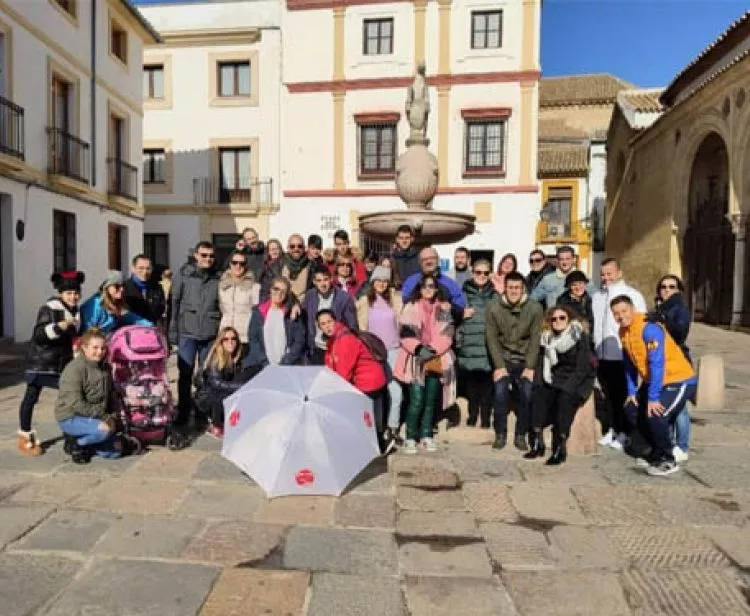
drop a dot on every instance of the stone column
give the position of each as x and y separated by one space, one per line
739 228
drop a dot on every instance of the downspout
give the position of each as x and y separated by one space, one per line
93 94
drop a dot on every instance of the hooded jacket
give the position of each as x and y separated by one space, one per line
350 358
471 341
51 348
236 301
94 314
606 331
85 390
195 304
513 331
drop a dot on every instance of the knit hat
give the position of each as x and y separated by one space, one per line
575 276
381 273
113 277
68 281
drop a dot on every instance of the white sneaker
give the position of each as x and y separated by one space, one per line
410 447
679 455
662 469
607 439
429 445
641 463
620 442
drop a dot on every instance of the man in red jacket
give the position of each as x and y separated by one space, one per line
349 357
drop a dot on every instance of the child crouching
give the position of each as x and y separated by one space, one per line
83 403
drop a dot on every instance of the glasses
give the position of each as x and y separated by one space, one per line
240 263
278 290
206 255
560 318
481 272
344 265
230 339
536 260
293 246
429 285
671 287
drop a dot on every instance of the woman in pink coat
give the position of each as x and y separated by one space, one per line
425 361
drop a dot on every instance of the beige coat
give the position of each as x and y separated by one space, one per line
236 301
363 309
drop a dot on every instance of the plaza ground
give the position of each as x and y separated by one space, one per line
467 530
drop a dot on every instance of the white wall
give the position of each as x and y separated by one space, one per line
184 234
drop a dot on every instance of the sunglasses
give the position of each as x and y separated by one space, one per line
481 272
429 285
278 290
668 286
559 318
293 246
242 263
536 260
232 339
344 265
206 255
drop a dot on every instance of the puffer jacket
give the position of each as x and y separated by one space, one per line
236 301
195 304
471 341
513 331
85 390
94 314
51 348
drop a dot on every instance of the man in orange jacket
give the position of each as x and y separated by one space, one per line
667 380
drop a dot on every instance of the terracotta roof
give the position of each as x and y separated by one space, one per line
580 89
563 160
557 127
642 100
737 31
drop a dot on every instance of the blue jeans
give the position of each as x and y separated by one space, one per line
395 394
502 394
187 351
682 430
91 432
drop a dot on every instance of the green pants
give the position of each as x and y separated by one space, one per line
422 403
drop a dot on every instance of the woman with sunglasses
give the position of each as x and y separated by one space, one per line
221 377
425 361
238 293
565 379
507 264
275 336
471 344
539 268
271 267
107 310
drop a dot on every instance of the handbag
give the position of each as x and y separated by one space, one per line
434 365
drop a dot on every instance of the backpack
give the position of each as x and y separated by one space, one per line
374 345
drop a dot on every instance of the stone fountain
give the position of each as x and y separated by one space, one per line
417 182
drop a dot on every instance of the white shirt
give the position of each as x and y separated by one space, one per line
606 330
274 335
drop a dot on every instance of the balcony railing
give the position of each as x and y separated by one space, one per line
123 179
68 155
11 129
214 191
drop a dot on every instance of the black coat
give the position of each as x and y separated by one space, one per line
574 371
675 315
406 263
150 306
534 278
51 348
581 307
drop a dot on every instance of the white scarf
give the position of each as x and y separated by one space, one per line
558 343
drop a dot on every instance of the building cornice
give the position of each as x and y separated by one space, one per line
217 36
313 5
391 192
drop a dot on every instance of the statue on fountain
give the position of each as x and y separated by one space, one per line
418 107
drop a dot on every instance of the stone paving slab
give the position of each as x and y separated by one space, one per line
216 468
308 510
734 542
221 501
490 501
134 495
623 471
366 511
27 581
437 476
547 593
247 592
10 484
56 489
67 530
576 471
444 556
720 475
440 596
701 506
547 502
428 499
148 537
353 595
615 505
473 464
166 464
578 547
365 552
684 591
97 466
436 524
515 548
136 587
237 542
661 548
17 520
12 460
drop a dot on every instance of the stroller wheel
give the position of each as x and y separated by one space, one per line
133 446
176 440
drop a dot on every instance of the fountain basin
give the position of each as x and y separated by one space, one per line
430 226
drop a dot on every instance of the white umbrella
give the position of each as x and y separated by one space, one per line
299 430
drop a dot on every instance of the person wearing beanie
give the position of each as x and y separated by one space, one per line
107 310
50 350
577 298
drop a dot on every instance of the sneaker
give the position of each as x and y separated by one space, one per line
429 445
620 441
679 454
410 446
663 468
217 432
642 463
500 441
388 444
607 439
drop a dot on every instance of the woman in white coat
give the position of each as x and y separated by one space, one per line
238 294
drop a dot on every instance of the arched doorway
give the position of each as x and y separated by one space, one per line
709 242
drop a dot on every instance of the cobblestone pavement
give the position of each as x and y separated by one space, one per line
466 530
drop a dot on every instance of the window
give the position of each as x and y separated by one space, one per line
377 150
61 94
116 137
64 241
153 166
234 169
153 82
156 248
69 6
118 41
556 212
234 78
486 29
377 37
485 146
224 244
114 246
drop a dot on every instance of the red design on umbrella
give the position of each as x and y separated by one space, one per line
305 477
368 419
234 417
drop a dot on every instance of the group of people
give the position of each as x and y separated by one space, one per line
406 334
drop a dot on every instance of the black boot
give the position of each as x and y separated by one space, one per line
559 451
520 442
536 440
500 440
69 443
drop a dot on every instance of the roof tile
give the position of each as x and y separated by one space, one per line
580 89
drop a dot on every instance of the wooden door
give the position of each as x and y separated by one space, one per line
114 247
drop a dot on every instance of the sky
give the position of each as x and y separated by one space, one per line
645 42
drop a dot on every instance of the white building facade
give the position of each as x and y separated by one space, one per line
211 158
70 146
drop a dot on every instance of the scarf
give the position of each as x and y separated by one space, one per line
558 343
141 284
295 267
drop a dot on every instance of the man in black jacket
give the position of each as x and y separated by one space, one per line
254 249
143 295
405 255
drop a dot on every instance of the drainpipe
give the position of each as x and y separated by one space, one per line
92 180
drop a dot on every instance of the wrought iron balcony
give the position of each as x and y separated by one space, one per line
68 155
11 129
123 179
217 191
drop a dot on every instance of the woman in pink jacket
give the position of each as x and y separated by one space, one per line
425 361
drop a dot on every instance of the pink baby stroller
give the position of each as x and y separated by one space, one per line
138 356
